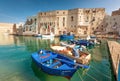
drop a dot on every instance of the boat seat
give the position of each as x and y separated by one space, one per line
54 64
48 58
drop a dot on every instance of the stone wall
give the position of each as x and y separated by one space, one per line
114 48
6 28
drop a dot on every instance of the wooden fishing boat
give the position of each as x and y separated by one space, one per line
55 63
67 45
83 58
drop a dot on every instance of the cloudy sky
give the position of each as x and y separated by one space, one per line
14 11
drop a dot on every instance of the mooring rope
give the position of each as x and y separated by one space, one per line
101 73
79 76
91 77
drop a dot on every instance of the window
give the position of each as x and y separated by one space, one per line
57 12
87 18
86 28
30 28
85 32
93 19
72 18
31 21
44 13
63 19
63 12
57 18
115 24
35 21
63 24
40 13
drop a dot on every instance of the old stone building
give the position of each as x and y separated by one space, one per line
52 21
30 26
85 21
111 24
79 21
7 28
116 12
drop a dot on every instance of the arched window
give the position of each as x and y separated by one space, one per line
31 21
30 28
63 21
35 20
72 18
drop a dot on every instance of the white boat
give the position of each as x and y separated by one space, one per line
37 35
48 35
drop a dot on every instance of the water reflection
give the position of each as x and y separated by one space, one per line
44 76
34 44
6 39
16 62
15 58
31 43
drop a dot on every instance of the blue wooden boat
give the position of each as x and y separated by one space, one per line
66 37
82 42
56 64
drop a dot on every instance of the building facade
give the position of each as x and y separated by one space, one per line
79 21
52 21
7 28
111 24
85 21
116 12
30 26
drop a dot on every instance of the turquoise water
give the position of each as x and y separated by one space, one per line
16 63
119 73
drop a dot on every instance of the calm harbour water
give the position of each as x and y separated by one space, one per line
16 63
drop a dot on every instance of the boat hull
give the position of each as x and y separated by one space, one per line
82 42
83 59
64 73
66 37
37 35
53 71
47 36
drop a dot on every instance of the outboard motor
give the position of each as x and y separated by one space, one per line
76 52
40 52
